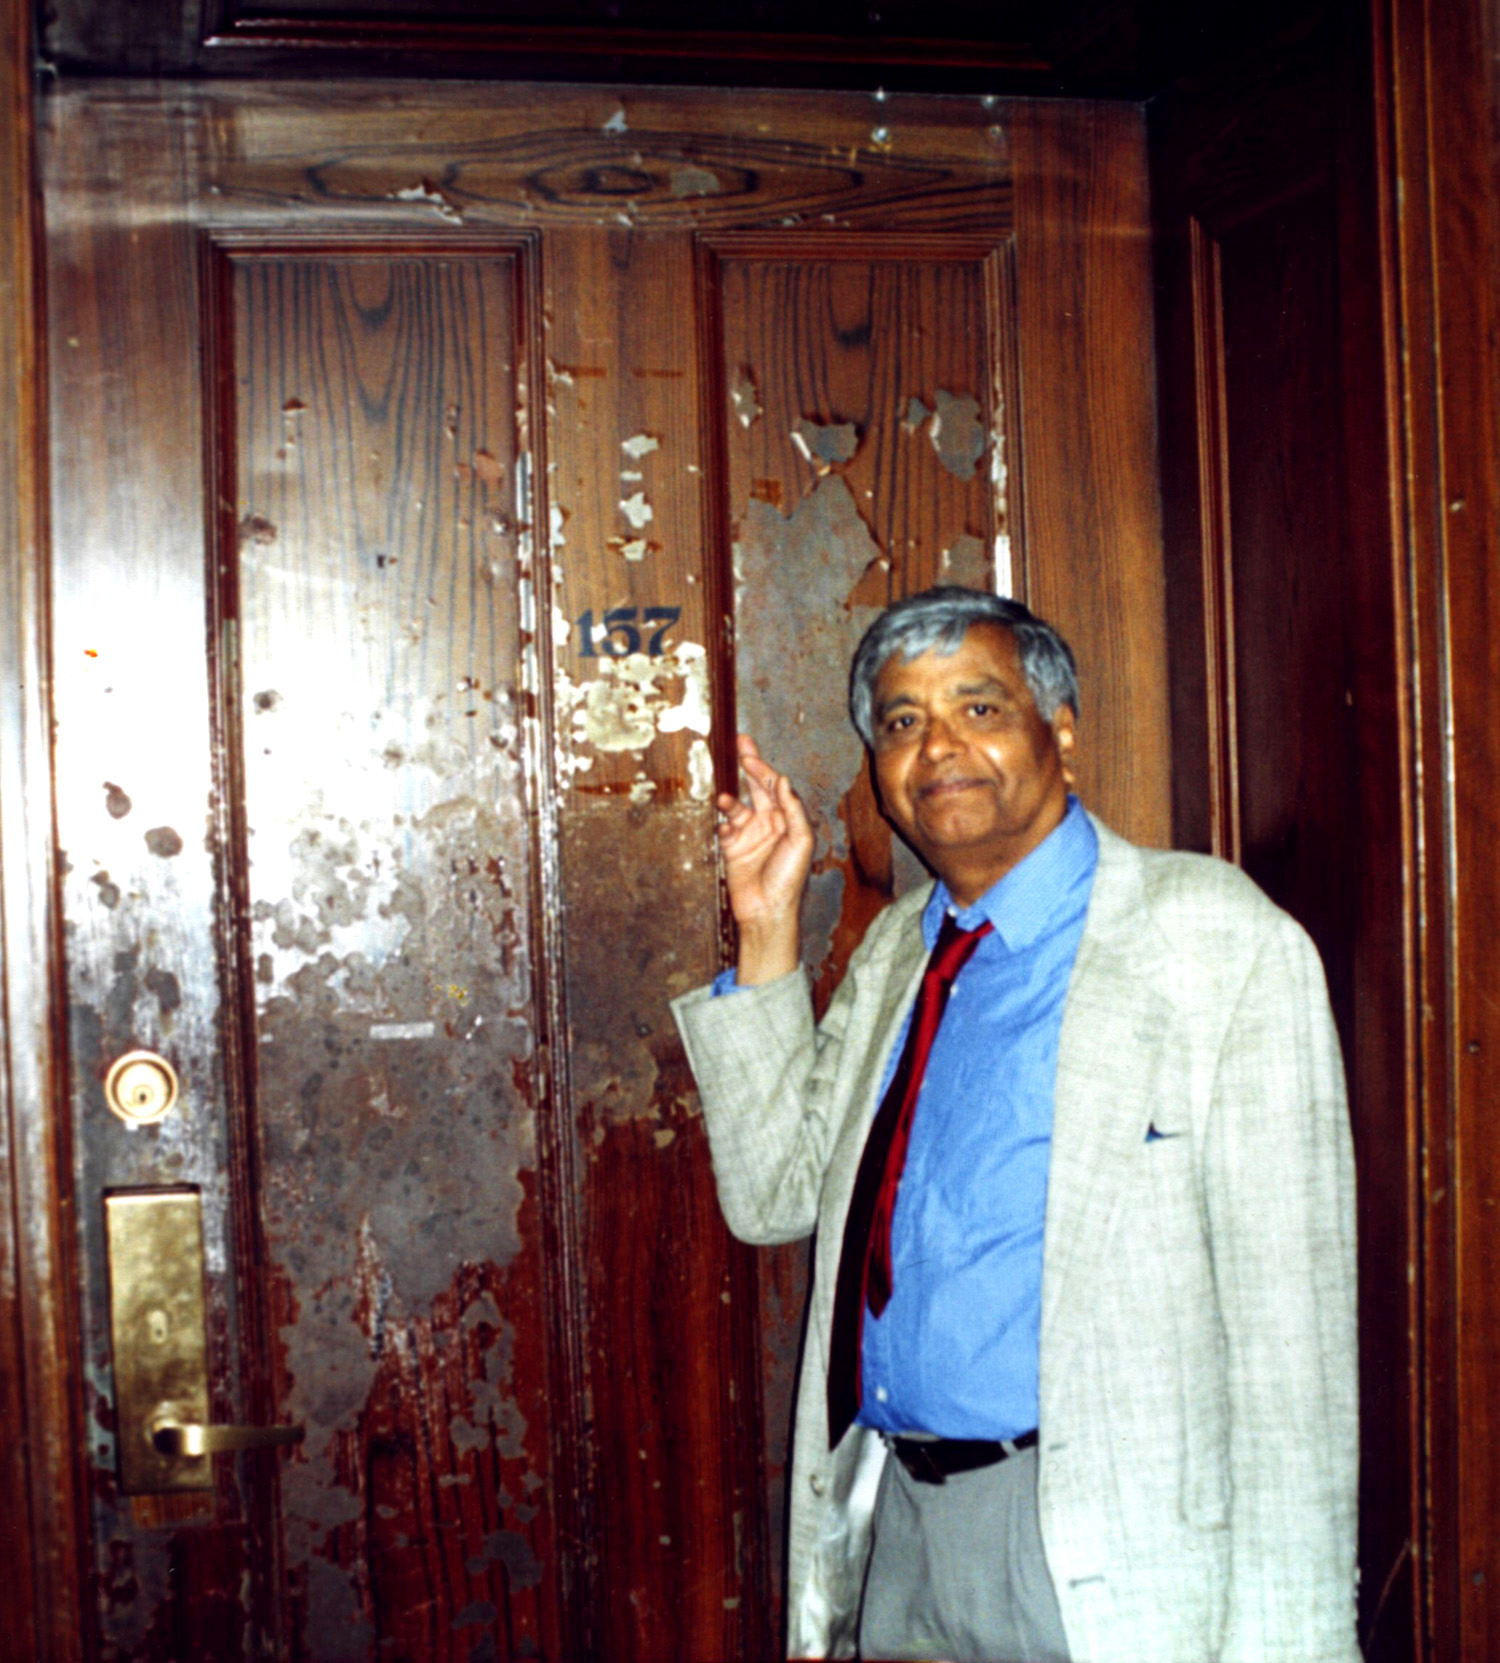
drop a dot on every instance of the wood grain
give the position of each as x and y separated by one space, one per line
1087 420
1278 481
40 1504
1445 422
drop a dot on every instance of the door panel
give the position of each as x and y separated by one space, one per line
438 476
1286 700
388 877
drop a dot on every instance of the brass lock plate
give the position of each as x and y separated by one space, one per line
155 1241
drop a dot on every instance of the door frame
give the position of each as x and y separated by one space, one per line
1434 106
41 1506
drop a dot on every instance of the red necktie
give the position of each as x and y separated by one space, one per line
865 1276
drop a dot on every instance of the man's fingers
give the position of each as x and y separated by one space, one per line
790 803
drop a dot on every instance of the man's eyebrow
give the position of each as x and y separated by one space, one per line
892 701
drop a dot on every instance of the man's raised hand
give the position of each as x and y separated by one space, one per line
767 845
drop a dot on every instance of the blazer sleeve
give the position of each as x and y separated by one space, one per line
775 1094
1279 1181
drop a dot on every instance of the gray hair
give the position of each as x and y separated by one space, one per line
940 618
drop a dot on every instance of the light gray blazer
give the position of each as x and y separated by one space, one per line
1198 1367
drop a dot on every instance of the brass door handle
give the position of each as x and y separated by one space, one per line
192 1440
159 1331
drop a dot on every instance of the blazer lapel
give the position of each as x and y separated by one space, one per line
1111 1050
873 1027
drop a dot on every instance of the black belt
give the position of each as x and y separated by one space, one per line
931 1460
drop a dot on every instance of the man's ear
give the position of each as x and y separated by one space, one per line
1065 737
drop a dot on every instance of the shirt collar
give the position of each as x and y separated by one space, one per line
1038 894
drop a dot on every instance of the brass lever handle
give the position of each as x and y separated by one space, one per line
192 1440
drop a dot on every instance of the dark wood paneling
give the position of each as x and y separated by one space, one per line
1289 731
40 1506
1092 533
1439 101
1075 48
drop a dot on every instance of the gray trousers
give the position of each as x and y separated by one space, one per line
957 1571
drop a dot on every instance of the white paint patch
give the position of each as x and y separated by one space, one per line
617 122
433 197
638 511
639 445
403 1030
1005 580
630 702
692 713
635 549
700 773
558 518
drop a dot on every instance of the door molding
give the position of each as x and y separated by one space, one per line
40 1507
1437 91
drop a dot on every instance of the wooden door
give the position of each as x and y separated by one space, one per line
436 475
1285 596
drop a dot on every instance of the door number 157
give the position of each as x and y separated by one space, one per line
620 636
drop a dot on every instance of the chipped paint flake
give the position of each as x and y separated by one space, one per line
824 445
916 415
689 180
967 564
617 122
635 549
957 434
639 445
636 697
692 713
744 398
425 191
637 510
403 1030
700 772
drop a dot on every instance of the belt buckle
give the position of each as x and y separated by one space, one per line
914 1455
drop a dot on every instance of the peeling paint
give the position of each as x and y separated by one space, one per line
744 398
688 180
700 772
917 413
636 697
825 445
789 678
637 510
255 529
425 191
617 122
967 563
644 875
116 804
1000 488
957 434
639 445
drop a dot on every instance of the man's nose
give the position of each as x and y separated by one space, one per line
939 739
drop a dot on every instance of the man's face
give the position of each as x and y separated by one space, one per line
968 770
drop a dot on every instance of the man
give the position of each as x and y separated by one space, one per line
1084 1270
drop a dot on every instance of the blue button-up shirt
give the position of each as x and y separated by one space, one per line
955 1351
